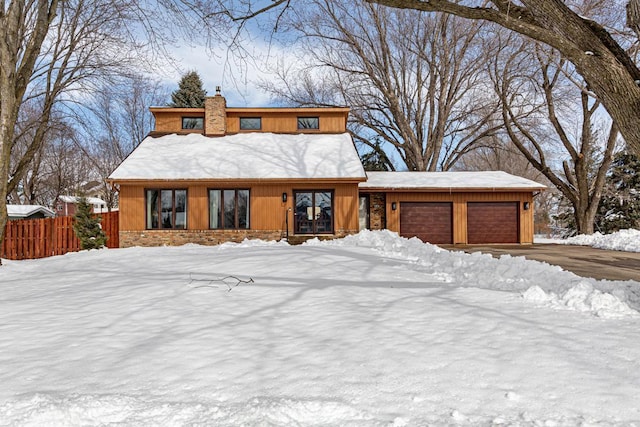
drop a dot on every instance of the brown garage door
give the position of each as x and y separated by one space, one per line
492 222
429 221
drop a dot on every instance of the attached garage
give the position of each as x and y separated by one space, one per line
493 222
429 221
457 207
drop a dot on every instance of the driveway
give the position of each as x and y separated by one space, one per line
584 261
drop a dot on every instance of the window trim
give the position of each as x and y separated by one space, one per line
302 128
159 209
259 118
237 217
314 229
192 118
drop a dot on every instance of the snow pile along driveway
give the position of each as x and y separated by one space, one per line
623 240
372 330
550 284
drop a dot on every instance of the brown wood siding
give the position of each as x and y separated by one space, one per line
429 221
492 222
171 121
460 201
132 214
278 122
267 211
272 121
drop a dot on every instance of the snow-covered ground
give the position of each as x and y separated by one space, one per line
371 330
623 240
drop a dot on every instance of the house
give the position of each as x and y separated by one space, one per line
215 174
67 205
29 212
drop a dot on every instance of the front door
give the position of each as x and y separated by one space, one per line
314 212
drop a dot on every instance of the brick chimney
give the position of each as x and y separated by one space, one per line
215 115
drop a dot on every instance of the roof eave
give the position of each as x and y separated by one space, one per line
452 189
354 180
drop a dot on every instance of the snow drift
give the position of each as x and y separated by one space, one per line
371 330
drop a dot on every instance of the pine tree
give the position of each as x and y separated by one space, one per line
87 227
375 160
190 93
620 205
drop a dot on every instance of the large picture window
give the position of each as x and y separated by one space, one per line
314 212
166 209
228 209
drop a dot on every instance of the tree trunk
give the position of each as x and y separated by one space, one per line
8 117
585 218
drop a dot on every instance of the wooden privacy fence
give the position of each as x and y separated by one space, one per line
40 238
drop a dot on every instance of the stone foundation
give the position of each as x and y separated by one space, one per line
212 237
377 211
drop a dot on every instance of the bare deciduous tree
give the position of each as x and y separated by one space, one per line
607 69
52 51
57 168
603 63
412 80
47 50
568 126
115 122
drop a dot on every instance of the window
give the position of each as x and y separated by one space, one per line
314 212
166 209
229 209
250 123
306 123
193 123
363 211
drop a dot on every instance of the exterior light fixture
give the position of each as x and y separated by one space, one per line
284 197
526 206
394 206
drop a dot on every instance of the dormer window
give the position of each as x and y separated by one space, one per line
308 123
189 123
250 123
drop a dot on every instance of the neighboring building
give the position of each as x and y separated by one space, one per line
29 212
67 205
215 174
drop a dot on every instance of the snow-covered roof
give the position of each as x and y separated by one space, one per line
24 211
243 156
494 180
75 199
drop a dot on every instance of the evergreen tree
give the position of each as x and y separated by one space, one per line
190 93
620 205
376 160
87 227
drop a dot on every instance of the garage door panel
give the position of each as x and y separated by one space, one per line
492 222
429 221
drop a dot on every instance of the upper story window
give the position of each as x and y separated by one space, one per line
250 123
308 123
193 123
